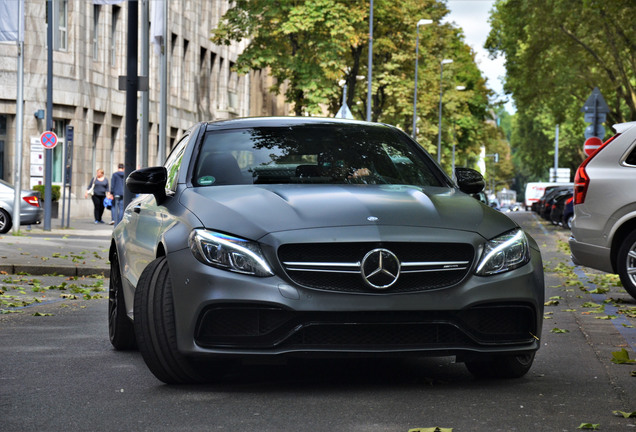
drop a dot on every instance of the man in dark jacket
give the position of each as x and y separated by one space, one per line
117 193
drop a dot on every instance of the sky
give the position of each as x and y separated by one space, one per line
472 17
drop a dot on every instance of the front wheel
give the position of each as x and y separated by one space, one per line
503 366
626 264
156 330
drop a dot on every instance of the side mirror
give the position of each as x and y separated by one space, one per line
469 180
150 180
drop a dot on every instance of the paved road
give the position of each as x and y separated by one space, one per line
59 372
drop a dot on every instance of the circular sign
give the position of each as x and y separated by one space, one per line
591 144
48 139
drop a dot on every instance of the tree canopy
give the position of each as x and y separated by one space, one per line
556 52
311 45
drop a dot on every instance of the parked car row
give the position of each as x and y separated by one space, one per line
556 205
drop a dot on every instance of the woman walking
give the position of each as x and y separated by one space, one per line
97 188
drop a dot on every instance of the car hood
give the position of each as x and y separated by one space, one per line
253 211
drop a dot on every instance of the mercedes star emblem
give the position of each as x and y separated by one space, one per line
380 268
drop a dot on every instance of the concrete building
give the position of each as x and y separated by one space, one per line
89 56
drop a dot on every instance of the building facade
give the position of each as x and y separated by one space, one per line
89 56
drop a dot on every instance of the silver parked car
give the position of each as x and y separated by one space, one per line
30 211
604 224
282 237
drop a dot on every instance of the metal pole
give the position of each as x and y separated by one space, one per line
145 70
370 62
132 84
163 89
19 114
417 46
439 125
48 153
556 154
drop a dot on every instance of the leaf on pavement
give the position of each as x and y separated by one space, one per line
431 429
558 330
625 414
589 426
622 357
551 303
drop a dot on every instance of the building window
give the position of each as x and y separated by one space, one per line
185 92
96 129
232 87
96 10
175 67
113 144
60 15
113 35
58 152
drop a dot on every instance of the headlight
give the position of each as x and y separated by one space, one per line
228 253
506 252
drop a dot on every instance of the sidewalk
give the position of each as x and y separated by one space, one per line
80 250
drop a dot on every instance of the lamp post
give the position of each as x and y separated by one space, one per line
417 46
458 88
439 126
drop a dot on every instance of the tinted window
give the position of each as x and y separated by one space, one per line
312 154
631 159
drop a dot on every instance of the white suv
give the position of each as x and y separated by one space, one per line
604 225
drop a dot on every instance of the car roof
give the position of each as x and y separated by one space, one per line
248 122
622 127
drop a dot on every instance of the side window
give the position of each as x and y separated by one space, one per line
173 163
631 159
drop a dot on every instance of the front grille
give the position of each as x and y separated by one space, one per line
259 327
337 267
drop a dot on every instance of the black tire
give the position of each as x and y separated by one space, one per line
5 221
155 327
568 222
120 328
626 264
501 367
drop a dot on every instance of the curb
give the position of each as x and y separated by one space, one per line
40 270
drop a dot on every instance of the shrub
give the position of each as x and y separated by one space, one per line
55 189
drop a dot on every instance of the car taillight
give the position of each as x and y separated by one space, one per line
32 200
569 200
581 179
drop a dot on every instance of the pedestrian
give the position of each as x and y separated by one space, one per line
117 193
97 189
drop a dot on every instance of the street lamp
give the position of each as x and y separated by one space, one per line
441 92
417 46
458 88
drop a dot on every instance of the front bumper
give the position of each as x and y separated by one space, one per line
219 313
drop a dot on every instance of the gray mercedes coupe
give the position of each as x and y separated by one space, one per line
306 237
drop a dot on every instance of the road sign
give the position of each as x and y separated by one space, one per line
591 144
48 139
596 102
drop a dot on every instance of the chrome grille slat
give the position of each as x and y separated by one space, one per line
337 267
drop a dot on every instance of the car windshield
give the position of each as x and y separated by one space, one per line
333 154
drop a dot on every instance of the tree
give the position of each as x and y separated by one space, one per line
310 45
302 43
556 52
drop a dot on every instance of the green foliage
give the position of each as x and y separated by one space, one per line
309 46
55 192
556 52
